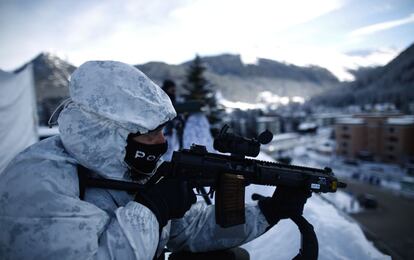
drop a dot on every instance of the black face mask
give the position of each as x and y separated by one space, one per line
143 158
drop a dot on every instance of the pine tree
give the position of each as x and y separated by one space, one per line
196 84
200 89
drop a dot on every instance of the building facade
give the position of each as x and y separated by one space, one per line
380 137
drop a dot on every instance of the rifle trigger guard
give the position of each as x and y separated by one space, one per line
309 242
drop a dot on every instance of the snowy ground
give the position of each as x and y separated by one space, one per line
339 236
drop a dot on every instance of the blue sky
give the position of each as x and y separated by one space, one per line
336 34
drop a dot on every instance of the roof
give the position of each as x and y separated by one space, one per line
285 136
404 120
350 121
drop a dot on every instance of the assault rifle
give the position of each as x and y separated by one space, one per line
228 175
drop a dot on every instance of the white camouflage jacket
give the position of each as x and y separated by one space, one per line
41 215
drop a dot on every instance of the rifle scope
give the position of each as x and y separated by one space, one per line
237 145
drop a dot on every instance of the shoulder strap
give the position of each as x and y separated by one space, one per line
82 176
86 180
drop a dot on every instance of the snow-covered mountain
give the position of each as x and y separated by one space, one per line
392 83
232 65
243 82
227 73
51 75
51 78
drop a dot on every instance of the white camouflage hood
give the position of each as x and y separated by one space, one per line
109 101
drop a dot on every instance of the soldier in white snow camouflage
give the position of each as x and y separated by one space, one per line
41 213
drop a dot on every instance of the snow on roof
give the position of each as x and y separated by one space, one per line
307 126
404 120
330 115
266 119
239 105
350 121
286 136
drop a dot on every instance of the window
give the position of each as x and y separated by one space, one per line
345 128
390 148
392 139
391 129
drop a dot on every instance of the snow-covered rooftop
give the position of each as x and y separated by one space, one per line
404 120
285 136
350 121
239 105
307 126
330 115
266 119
